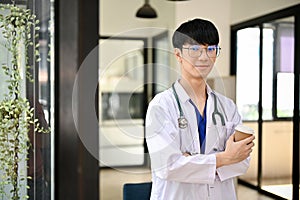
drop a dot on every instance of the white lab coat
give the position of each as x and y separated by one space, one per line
195 177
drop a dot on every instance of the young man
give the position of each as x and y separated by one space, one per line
189 127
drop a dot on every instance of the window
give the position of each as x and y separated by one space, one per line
267 77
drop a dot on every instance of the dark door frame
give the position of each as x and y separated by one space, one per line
76 35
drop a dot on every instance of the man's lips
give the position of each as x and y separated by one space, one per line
201 66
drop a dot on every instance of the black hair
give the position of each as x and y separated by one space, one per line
196 31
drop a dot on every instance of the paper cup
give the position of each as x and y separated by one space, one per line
242 132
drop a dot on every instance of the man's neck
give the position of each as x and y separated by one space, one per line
195 88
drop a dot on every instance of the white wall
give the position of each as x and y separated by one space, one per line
119 16
244 9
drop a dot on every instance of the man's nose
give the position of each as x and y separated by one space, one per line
203 55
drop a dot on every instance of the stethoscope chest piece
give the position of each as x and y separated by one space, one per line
182 122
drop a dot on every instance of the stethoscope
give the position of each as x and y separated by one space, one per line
183 122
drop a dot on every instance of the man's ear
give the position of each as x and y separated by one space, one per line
178 55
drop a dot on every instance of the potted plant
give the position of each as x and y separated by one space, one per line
18 28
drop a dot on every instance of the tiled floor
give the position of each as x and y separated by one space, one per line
112 180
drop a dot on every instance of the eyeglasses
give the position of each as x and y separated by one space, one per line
195 51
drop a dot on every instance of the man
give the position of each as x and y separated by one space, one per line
189 127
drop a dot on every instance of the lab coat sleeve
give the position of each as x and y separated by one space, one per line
163 142
230 171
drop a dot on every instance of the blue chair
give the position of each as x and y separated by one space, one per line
137 191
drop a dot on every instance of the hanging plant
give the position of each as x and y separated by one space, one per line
16 114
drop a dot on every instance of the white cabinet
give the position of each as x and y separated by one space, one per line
121 143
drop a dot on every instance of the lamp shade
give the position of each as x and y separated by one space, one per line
146 11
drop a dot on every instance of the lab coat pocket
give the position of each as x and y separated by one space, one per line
222 135
229 129
186 141
216 138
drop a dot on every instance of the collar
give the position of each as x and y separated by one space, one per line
182 94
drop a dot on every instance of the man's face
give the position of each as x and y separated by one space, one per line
197 61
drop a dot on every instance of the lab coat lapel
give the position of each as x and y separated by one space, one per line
192 118
211 137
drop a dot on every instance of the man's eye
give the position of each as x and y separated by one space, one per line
194 48
211 48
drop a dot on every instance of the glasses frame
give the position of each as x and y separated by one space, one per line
218 49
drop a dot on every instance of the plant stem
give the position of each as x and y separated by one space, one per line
16 139
16 166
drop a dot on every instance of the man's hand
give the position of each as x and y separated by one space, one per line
235 151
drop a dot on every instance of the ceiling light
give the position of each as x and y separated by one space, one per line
146 11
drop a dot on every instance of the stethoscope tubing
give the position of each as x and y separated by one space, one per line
183 122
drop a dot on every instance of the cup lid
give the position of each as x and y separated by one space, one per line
244 129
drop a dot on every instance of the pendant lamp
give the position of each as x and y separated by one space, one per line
146 11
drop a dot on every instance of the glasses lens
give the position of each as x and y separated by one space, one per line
195 51
212 51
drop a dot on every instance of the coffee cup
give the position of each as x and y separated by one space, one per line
242 132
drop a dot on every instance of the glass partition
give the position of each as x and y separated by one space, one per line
162 72
41 157
122 100
248 72
277 133
247 98
265 74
